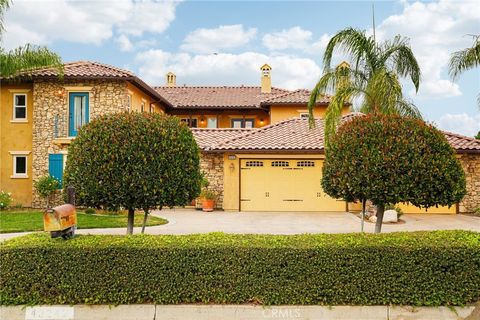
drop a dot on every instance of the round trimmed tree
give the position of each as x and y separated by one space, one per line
390 159
134 161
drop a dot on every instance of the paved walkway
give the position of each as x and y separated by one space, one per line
185 221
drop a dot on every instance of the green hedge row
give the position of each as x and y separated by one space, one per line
420 268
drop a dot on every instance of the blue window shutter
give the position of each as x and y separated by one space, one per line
55 166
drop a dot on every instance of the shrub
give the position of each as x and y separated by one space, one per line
46 187
134 161
477 211
90 211
5 199
392 159
418 268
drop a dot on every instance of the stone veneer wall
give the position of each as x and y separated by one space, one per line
471 165
106 96
212 165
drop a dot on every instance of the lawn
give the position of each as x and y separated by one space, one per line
18 221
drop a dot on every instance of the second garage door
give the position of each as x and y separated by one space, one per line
284 185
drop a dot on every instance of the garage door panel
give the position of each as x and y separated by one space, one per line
285 185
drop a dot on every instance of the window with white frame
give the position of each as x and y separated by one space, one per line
19 106
304 115
19 166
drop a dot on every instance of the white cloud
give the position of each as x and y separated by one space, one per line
295 38
436 29
124 43
460 123
227 69
83 21
216 39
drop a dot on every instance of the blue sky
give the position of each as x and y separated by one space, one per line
225 42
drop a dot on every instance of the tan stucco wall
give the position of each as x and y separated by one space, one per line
139 97
471 165
106 96
15 136
287 111
211 164
224 118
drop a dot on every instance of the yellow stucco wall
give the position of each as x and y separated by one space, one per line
224 119
139 97
15 136
287 111
231 184
408 208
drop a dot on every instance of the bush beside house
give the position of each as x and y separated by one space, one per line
389 159
134 161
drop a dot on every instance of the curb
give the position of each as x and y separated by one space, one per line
234 312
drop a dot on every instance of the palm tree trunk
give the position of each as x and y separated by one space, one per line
145 217
131 219
380 212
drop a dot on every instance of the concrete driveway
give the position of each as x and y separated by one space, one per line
185 221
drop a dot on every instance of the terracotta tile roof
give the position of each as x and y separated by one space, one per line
462 143
221 97
300 96
93 70
83 69
208 137
288 135
294 135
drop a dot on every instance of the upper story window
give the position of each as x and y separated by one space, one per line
129 102
78 112
304 115
19 106
243 123
191 122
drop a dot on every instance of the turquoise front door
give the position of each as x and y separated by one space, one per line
78 112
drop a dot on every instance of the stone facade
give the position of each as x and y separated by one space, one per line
50 116
471 165
211 164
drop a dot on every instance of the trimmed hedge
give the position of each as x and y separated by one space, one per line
419 268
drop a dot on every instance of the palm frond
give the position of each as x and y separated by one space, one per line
4 5
407 108
354 43
402 60
28 58
334 110
466 59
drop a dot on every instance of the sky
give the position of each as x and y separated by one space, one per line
226 42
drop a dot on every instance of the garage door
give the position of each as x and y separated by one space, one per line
284 185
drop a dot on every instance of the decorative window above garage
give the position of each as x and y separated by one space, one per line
305 164
254 163
280 164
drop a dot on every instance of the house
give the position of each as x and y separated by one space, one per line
278 168
257 150
40 115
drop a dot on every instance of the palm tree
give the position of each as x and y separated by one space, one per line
25 58
465 59
374 79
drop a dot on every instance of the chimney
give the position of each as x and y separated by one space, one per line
171 79
266 79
